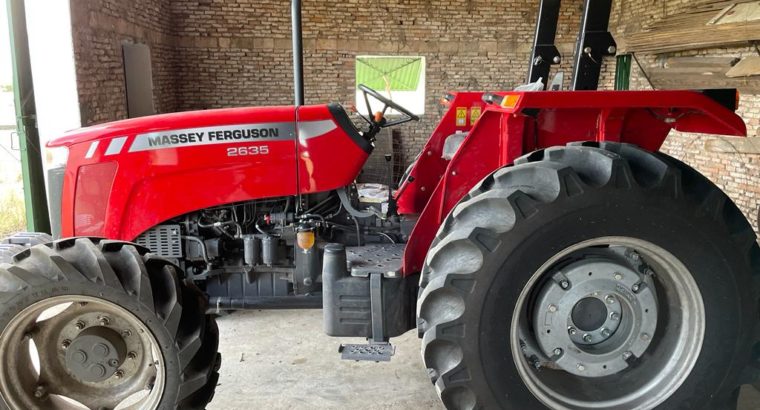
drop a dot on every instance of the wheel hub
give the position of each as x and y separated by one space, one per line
589 314
96 354
595 315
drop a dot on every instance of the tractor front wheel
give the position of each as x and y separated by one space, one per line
592 276
102 325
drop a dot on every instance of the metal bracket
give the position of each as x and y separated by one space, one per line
545 52
376 303
594 43
13 146
378 349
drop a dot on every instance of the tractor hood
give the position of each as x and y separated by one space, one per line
124 177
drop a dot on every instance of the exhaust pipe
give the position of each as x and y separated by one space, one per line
295 11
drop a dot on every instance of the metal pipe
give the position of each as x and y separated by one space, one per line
200 243
35 196
623 72
295 9
219 303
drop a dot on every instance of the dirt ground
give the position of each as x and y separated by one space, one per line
281 359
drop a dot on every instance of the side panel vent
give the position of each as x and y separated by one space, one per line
163 240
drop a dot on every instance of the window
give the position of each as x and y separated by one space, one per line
402 79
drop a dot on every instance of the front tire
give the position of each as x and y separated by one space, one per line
19 241
103 323
583 273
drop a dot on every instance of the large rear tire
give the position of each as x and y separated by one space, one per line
592 276
103 323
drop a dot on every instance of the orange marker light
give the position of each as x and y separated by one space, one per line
510 101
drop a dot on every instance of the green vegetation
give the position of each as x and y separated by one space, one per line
12 215
6 88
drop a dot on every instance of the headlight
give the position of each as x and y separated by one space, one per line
56 157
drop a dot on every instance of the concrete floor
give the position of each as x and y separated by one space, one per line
282 360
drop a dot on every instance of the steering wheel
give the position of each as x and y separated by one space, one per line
377 121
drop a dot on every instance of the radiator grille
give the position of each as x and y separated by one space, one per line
163 240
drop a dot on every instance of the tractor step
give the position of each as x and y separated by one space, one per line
384 259
372 352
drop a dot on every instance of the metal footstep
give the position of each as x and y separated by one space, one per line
373 352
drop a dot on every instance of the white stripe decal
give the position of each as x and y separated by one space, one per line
116 145
91 151
223 134
311 129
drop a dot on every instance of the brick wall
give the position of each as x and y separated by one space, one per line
216 53
240 53
99 28
219 53
733 164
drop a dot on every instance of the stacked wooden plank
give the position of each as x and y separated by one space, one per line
700 72
698 27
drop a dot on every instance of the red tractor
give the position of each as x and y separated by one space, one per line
547 254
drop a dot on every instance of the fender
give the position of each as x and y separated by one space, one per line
529 121
122 178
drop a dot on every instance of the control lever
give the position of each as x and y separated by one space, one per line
392 208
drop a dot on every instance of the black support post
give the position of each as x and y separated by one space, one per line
545 52
594 43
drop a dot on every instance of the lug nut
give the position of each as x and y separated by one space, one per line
39 392
634 256
610 299
581 367
552 308
618 276
65 344
126 333
104 321
132 355
606 332
627 355
82 304
645 336
636 288
564 284
80 325
615 316
119 374
571 330
587 338
558 352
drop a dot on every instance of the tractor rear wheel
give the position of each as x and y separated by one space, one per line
592 276
88 323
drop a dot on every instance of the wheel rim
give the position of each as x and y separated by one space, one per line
628 325
72 352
